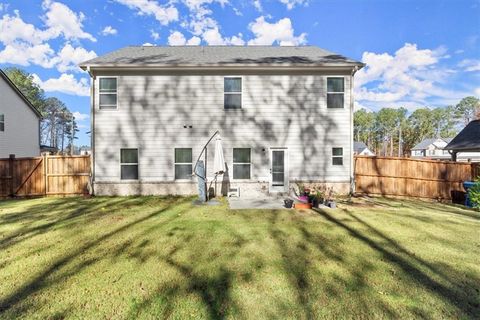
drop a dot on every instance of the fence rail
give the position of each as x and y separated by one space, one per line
46 175
411 177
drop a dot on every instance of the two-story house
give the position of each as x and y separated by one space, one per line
154 108
432 148
19 122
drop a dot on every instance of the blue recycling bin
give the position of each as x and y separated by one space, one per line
467 185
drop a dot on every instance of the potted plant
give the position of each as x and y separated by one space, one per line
302 193
318 198
330 198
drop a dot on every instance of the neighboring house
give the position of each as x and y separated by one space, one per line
19 122
84 151
284 115
433 148
466 145
361 149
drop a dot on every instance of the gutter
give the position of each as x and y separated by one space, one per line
188 67
92 128
352 106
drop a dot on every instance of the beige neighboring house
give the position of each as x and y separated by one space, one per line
437 149
19 122
285 115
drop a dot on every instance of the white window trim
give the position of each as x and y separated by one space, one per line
326 90
175 163
241 93
126 164
250 163
99 93
334 156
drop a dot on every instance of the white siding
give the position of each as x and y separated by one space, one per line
21 135
278 111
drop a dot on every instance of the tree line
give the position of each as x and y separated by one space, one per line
58 127
394 132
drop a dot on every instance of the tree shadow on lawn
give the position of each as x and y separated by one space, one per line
453 286
302 244
43 278
418 205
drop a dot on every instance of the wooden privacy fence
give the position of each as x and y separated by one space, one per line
411 177
46 175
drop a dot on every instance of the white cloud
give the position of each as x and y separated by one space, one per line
155 35
24 54
109 30
177 38
213 37
60 19
280 32
410 77
66 83
292 3
13 29
148 44
69 57
258 5
194 41
477 92
80 116
4 6
470 65
163 14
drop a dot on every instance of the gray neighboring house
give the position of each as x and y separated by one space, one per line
432 148
466 145
438 149
19 122
285 115
361 149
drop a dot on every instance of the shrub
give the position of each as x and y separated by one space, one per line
474 194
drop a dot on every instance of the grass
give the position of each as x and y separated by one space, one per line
151 257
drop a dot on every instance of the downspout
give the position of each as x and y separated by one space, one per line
352 159
92 128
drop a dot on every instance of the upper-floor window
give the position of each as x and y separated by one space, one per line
232 92
129 164
183 163
108 93
337 156
241 163
335 92
2 122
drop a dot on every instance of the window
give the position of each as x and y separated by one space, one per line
183 163
337 156
232 93
241 163
129 164
2 122
335 93
108 93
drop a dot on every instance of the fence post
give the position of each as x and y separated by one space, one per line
11 162
44 173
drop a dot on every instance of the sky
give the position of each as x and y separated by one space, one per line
418 53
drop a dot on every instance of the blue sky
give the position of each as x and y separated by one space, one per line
418 53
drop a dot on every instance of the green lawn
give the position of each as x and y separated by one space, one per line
151 257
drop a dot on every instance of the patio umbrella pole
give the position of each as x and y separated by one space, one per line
206 185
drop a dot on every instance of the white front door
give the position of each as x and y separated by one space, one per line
278 170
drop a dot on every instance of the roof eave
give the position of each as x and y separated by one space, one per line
348 65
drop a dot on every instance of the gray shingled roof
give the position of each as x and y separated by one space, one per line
467 139
359 146
219 55
426 142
